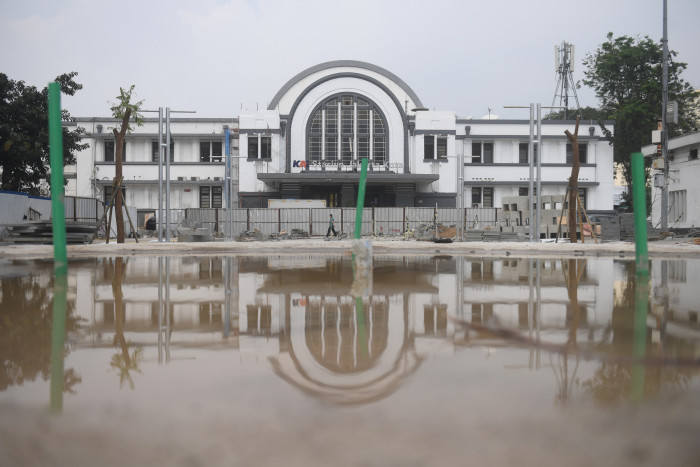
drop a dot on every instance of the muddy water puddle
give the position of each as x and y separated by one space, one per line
260 360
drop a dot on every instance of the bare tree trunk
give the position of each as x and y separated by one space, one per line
573 183
118 199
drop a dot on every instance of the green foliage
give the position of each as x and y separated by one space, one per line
124 106
24 134
626 74
587 114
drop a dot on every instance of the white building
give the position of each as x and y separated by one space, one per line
684 172
309 142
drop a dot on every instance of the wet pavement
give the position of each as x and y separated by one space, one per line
458 354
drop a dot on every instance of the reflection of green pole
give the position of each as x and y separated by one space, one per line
59 247
641 300
361 199
639 204
360 307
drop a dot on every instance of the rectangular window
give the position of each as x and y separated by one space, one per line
524 190
487 197
482 197
264 143
210 151
110 153
154 151
678 206
582 153
252 147
582 193
428 147
476 197
488 153
204 197
210 197
441 148
522 153
108 190
265 147
482 152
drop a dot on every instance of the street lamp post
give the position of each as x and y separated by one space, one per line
534 220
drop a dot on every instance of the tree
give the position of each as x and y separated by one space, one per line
24 134
124 110
586 113
626 74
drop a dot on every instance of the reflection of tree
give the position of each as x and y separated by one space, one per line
611 381
26 315
123 362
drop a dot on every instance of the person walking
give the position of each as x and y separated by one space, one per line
331 227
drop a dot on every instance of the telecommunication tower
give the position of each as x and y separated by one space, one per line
564 67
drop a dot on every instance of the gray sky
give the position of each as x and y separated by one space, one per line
214 56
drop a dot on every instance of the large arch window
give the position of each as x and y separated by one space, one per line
345 129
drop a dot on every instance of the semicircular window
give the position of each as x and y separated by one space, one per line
346 128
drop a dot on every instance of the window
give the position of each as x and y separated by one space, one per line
482 197
435 147
428 147
259 147
154 151
211 151
110 153
108 190
678 206
210 197
582 153
693 154
482 153
346 128
524 190
583 195
522 153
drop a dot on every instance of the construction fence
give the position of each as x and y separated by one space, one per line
389 222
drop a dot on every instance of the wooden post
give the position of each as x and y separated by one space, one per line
573 181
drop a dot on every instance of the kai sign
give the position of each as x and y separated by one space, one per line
341 165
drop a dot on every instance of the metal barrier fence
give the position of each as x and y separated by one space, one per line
79 209
390 222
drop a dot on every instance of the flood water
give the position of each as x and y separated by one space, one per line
234 360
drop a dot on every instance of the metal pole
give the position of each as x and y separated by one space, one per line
539 169
460 192
160 174
664 128
227 149
531 159
167 174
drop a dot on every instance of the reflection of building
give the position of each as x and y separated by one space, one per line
295 310
314 134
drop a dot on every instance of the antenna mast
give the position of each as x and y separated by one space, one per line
564 66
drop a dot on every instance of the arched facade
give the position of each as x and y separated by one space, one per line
330 117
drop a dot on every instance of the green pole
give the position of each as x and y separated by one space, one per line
361 199
56 156
639 204
58 332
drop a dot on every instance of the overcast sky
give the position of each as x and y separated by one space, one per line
216 56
